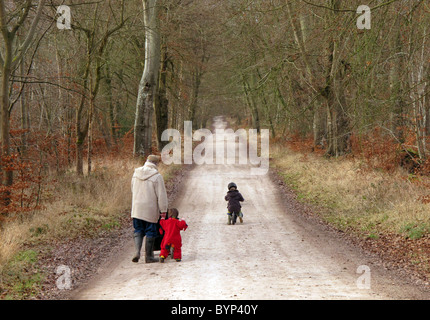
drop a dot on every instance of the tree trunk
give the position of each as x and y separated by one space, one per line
251 104
90 134
148 83
80 138
266 105
299 27
337 121
81 133
396 86
162 104
5 127
7 63
24 114
112 110
319 122
197 75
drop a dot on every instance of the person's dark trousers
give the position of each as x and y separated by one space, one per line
141 229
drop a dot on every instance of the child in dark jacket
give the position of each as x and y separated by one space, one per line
234 199
172 235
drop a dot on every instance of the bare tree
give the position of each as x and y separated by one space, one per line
148 84
96 43
9 60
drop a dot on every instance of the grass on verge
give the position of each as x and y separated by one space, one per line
367 201
384 209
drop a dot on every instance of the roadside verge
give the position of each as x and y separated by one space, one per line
377 211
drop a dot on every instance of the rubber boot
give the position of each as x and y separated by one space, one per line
149 250
138 240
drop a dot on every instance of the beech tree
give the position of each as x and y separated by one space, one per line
148 84
12 19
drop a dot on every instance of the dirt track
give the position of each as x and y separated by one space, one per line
277 253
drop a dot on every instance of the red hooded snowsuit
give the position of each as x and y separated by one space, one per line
172 237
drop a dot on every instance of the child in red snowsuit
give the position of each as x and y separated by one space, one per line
172 235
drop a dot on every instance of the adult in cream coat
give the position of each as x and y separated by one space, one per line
148 201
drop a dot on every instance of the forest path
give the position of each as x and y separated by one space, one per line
275 254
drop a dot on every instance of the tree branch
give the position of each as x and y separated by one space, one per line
21 19
23 48
347 10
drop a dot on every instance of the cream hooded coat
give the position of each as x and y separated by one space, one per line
149 193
